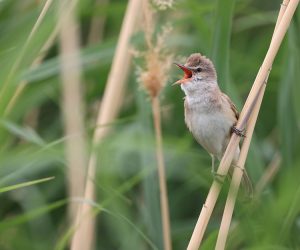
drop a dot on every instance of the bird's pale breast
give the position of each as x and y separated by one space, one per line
210 127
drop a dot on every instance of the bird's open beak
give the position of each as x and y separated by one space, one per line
187 73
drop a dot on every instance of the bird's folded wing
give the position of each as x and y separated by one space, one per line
231 104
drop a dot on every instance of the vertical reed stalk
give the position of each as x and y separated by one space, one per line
110 106
72 103
153 78
161 174
251 101
238 172
97 25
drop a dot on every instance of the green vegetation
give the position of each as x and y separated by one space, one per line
235 35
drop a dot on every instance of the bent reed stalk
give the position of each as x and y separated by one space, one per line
248 108
238 172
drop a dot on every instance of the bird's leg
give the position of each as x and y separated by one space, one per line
213 170
218 177
237 131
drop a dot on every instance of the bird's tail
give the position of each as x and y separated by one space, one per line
246 182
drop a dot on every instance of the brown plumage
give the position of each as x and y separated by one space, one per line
210 114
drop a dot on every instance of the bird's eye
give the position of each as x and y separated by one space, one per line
198 69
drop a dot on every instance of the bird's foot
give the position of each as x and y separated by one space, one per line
238 167
218 177
237 131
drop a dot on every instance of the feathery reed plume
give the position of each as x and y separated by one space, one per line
110 106
153 78
158 62
72 103
163 4
249 106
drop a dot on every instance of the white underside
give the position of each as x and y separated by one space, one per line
210 124
210 129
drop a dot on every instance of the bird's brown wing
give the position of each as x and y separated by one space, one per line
232 106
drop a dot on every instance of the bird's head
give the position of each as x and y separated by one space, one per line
197 70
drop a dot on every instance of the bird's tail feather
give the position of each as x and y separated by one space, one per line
246 182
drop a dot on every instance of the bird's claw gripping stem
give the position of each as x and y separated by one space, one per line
218 177
237 131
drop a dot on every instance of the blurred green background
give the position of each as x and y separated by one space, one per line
235 34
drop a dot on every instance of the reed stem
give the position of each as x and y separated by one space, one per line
238 172
251 101
72 104
161 174
97 24
110 106
237 176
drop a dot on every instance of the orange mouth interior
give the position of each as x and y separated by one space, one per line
187 73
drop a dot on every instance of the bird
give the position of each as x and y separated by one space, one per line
209 114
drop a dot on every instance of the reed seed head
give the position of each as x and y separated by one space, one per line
163 4
158 61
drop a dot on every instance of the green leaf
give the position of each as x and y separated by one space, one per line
25 133
24 184
221 40
23 218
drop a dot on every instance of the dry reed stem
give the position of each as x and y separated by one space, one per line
268 175
153 78
97 25
237 176
24 48
110 106
258 84
164 206
148 23
238 172
72 103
